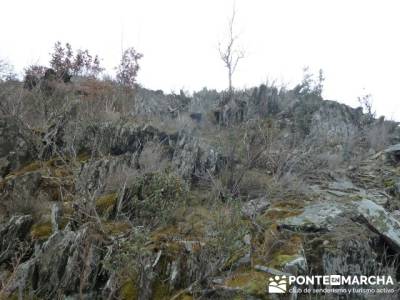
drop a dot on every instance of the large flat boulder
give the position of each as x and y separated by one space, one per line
315 217
380 221
393 154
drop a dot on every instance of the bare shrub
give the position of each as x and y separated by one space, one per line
99 100
7 280
6 71
12 100
229 53
379 135
366 102
129 67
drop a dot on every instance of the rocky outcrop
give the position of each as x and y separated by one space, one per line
13 233
380 221
157 104
255 207
393 154
337 122
126 210
194 159
191 156
318 217
68 263
17 145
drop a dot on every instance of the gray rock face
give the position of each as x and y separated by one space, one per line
335 121
115 138
315 217
16 146
12 234
255 207
111 208
394 148
95 175
192 157
380 221
393 154
336 244
297 266
156 103
68 263
350 256
19 194
349 250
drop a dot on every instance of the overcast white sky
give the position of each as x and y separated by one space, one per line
356 43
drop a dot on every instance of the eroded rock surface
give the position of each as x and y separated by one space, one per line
126 210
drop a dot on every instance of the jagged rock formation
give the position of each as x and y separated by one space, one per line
128 209
16 146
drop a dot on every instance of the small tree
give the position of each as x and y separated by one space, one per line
309 85
85 65
65 63
366 103
229 53
129 67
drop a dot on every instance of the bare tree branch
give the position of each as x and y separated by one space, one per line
229 53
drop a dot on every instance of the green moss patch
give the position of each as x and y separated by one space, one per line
41 231
106 202
250 282
31 167
116 228
129 291
275 248
281 210
83 157
161 291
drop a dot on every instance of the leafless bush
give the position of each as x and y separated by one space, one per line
229 53
128 67
259 153
379 135
366 103
6 71
34 107
12 100
6 282
100 100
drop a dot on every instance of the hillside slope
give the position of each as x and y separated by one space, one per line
208 196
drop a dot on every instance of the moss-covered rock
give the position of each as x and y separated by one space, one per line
129 291
115 228
250 282
105 203
41 231
281 210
